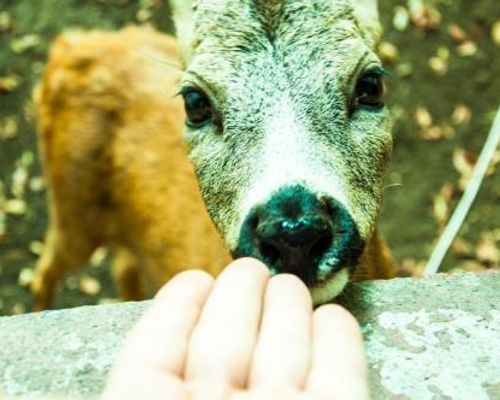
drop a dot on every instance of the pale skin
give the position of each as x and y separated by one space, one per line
245 335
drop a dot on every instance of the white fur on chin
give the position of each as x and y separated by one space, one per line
325 292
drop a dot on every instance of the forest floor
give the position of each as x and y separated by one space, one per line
443 89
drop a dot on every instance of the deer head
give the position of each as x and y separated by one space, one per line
287 129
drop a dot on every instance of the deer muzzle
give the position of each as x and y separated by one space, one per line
299 232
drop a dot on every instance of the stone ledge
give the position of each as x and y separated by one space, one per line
430 338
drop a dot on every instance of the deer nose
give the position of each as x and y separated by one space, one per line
298 232
291 243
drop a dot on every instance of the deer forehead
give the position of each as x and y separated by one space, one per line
252 25
269 46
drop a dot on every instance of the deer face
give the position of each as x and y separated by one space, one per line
287 129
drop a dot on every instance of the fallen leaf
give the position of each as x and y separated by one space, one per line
495 33
447 191
24 43
89 285
29 110
410 267
404 70
461 115
37 184
98 256
18 308
6 24
493 235
19 181
440 210
493 164
441 203
437 133
9 83
487 251
388 53
467 49
438 65
443 53
468 266
401 18
27 158
26 276
462 248
143 15
36 247
145 12
423 117
464 162
425 17
457 34
8 128
15 207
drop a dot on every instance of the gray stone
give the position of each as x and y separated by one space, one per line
63 352
431 338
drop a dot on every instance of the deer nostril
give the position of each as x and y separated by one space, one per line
321 246
270 252
294 244
253 222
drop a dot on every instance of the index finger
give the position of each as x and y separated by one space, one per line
160 339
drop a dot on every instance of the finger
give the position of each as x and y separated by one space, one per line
159 341
338 368
223 340
282 353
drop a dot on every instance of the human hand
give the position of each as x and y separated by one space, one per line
243 336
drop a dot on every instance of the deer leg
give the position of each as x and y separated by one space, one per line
58 257
126 273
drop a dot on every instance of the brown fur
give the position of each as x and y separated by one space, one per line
118 174
376 261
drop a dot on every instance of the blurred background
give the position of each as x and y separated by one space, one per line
444 88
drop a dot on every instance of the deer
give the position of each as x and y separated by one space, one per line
286 130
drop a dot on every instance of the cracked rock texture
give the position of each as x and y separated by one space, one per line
431 338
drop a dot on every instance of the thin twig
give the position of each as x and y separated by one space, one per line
467 199
161 61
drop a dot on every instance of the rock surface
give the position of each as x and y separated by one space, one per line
431 338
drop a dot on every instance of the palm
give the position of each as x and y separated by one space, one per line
246 336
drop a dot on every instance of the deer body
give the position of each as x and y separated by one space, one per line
284 125
110 132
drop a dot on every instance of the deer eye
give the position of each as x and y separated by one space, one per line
198 108
370 90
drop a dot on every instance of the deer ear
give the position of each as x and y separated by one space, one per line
182 13
366 12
